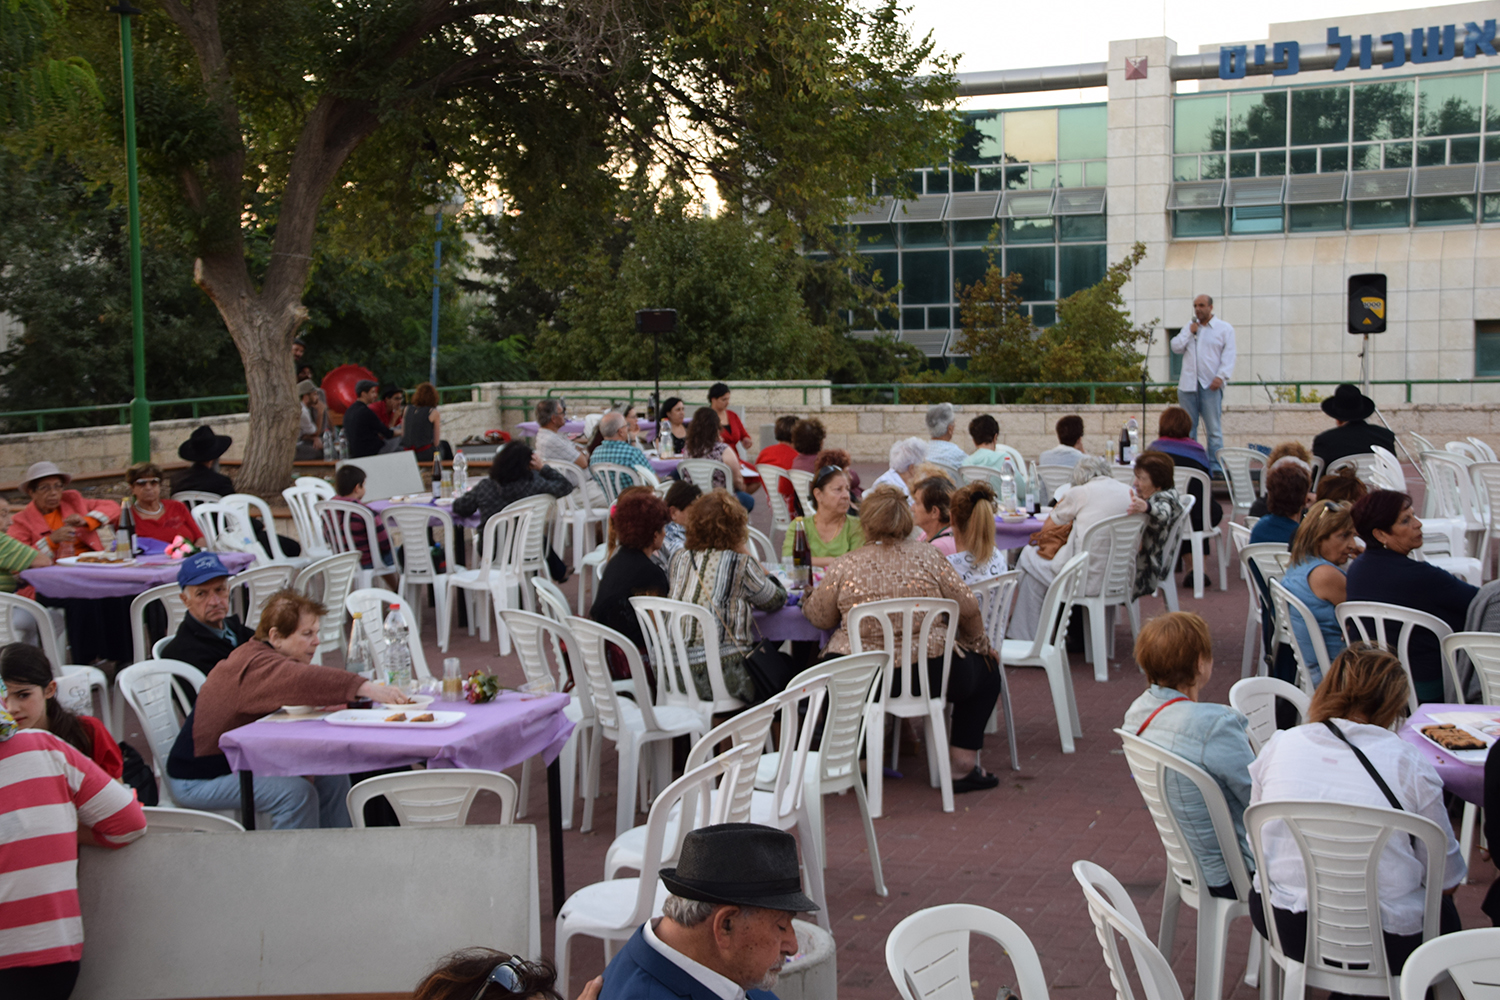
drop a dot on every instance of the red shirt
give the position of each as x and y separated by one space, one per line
175 519
106 751
780 454
733 431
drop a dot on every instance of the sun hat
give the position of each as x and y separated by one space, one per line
306 386
200 567
204 445
1348 403
741 864
41 470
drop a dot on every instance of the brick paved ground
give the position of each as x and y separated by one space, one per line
1009 849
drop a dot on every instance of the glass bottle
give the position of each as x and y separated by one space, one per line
1125 445
357 656
801 555
125 533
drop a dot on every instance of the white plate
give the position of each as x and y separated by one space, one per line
418 701
73 561
1467 756
375 717
299 709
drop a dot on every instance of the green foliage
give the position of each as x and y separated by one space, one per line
998 335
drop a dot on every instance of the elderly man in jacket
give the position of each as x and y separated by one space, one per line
208 633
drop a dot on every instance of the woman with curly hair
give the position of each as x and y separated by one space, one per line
638 526
1287 483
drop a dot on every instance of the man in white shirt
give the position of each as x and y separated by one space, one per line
726 930
551 414
1207 348
1069 447
941 450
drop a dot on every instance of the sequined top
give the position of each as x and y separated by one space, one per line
885 570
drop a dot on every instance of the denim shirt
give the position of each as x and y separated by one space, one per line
1214 738
1297 584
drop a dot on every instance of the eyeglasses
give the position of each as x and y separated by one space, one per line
146 482
506 975
48 487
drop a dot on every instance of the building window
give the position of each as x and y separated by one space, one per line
1174 360
1486 348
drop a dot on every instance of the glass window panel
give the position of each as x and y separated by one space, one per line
1096 173
1463 150
962 179
1397 155
1211 168
889 319
1450 211
883 271
924 234
1080 267
1015 177
1070 175
1315 218
1198 124
1255 219
1379 214
1081 132
1303 161
969 266
1037 230
1320 115
1184 168
1257 120
1383 110
1492 208
1043 175
992 180
913 181
1037 267
1432 153
980 142
1241 164
1486 348
1272 164
939 318
1174 361
1076 228
876 236
1366 157
976 231
1492 147
1031 136
925 275
1449 105
1492 107
1198 222
914 319
1335 159
937 182
1043 315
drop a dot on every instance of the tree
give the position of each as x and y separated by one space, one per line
998 335
258 119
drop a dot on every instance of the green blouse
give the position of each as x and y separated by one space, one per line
850 537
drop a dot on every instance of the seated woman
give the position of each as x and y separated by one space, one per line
31 699
704 441
930 509
1172 428
680 496
1363 695
516 472
1093 496
1391 532
906 455
845 461
1176 654
1156 497
483 974
1323 545
675 414
1343 486
638 525
984 431
1287 483
890 565
781 454
807 439
1286 449
716 570
154 517
273 669
59 521
422 424
975 556
831 532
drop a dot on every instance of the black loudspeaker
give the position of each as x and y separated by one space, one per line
1366 303
665 320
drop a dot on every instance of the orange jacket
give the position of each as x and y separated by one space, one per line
29 526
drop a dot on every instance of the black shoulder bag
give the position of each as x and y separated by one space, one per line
1390 796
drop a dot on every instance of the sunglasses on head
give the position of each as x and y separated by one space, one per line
826 473
506 975
146 482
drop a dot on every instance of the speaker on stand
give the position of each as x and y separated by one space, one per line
1367 308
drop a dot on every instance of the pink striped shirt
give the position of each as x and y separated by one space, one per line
48 790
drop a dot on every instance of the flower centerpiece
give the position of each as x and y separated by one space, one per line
480 687
180 548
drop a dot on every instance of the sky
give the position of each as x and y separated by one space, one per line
990 35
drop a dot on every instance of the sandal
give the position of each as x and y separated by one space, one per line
975 781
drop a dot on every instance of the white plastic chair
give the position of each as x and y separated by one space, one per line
918 698
1483 652
1257 555
1486 479
1287 604
781 511
153 690
1423 444
1486 453
373 604
1341 846
540 642
226 528
432 797
1048 649
1387 474
1113 913
996 597
760 545
489 586
337 518
418 572
700 472
329 580
533 564
1456 498
664 625
161 819
1198 540
249 502
192 498
322 487
1255 699
1470 958
1373 620
300 500
802 486
1112 544
1167 585
251 590
1122 473
612 479
1240 465
632 726
1052 476
52 644
550 600
160 646
576 517
1363 465
927 954
1153 767
170 596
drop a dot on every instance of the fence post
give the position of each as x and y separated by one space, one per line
1093 394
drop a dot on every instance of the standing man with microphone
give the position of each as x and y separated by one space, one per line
1207 347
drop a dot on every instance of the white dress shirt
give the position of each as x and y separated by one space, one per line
1310 763
724 989
553 447
1209 355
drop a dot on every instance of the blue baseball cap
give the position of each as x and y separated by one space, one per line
200 567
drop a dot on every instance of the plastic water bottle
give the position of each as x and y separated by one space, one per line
460 473
343 445
330 450
397 653
1007 486
1133 428
664 441
357 656
1031 505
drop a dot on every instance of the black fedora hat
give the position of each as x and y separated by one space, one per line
1348 403
204 445
742 864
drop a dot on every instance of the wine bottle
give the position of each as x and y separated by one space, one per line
801 554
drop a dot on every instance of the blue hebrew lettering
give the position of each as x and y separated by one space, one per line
1398 49
1260 55
1343 42
1423 44
1232 62
1289 53
1476 38
1366 52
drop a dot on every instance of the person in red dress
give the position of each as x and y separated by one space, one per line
155 517
31 699
731 427
781 454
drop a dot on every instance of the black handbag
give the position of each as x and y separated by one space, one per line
770 669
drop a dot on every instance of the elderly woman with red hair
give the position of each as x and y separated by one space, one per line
640 521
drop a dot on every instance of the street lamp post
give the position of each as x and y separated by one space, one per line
438 211
140 409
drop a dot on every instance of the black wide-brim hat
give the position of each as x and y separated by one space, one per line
1348 403
741 864
204 445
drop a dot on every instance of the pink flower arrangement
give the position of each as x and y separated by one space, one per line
180 548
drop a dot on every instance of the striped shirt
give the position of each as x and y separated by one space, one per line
48 790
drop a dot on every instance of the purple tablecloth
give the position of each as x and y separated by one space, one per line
572 427
1015 536
788 623
1462 779
493 737
472 521
117 581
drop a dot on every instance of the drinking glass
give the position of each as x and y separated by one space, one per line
453 680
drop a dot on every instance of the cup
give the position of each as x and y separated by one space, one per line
453 681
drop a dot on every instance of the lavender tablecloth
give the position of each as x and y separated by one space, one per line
472 521
788 623
493 736
572 427
1015 536
1462 779
117 581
